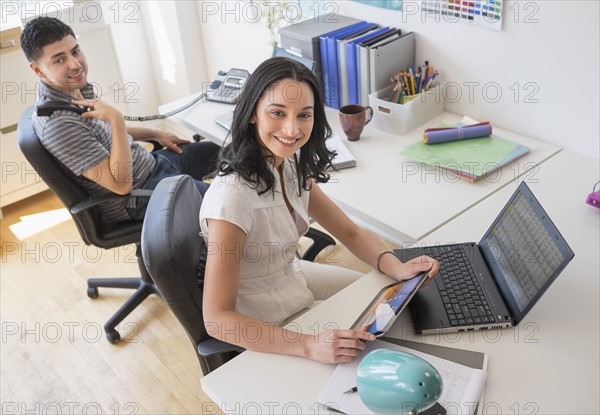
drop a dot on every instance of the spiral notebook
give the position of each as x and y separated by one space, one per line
344 157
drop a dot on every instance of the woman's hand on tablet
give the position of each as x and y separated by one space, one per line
336 346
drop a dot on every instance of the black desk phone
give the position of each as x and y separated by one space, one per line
227 86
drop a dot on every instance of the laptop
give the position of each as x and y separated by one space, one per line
382 312
495 283
225 120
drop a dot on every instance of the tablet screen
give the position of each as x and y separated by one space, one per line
379 316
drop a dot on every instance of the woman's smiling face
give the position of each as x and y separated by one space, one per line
284 118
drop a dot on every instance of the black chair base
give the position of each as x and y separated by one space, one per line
144 287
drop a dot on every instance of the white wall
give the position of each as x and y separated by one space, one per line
176 48
547 53
137 84
232 35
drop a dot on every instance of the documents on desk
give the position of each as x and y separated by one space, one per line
468 159
462 389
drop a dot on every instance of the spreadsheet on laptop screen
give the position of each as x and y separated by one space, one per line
523 250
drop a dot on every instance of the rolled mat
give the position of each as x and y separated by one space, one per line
444 135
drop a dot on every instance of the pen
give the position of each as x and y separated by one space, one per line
393 91
406 83
352 390
411 78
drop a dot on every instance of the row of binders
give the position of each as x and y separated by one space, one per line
359 59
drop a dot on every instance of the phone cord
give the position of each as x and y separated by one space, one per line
163 116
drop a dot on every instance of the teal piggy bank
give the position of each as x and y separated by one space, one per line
394 382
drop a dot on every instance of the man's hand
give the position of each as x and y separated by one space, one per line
115 172
168 140
100 110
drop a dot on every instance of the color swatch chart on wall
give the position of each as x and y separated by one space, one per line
486 13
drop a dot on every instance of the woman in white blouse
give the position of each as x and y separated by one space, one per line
258 207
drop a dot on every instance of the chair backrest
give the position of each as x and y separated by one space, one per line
173 251
63 183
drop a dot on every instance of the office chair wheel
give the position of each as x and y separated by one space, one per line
113 336
92 292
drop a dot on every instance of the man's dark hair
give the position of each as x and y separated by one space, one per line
42 31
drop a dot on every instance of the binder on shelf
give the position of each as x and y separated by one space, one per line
329 61
387 58
363 64
351 62
351 70
343 68
366 62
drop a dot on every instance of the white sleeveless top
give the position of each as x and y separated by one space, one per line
271 286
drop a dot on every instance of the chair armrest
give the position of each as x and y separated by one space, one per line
320 241
213 346
80 207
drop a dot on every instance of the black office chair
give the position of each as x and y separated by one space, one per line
86 216
175 255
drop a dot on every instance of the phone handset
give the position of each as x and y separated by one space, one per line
46 108
227 86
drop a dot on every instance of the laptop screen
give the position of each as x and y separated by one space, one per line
524 251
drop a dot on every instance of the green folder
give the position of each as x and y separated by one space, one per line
470 159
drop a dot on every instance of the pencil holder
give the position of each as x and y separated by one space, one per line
405 99
413 111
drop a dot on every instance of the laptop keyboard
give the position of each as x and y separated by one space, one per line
459 288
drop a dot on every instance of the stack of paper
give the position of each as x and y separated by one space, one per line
462 385
469 159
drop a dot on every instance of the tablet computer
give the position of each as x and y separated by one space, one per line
387 305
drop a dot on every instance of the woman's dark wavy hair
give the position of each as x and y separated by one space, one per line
245 155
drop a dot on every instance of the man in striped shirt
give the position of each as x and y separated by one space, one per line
97 146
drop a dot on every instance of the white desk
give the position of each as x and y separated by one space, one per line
398 199
548 364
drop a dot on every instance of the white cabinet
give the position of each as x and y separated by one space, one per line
18 179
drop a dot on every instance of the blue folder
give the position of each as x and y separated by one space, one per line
351 55
329 61
341 57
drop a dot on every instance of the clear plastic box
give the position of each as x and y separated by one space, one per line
402 118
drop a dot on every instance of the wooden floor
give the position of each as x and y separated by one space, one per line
54 356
